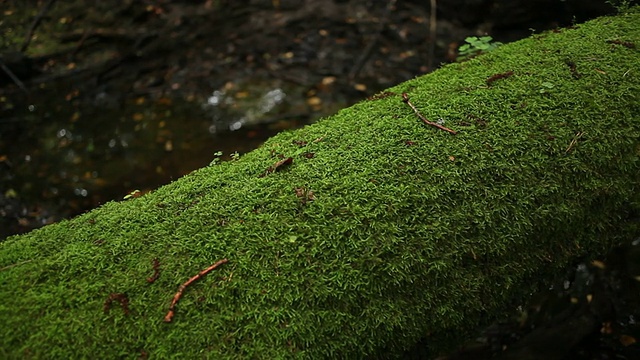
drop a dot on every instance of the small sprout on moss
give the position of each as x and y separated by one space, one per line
475 46
235 156
133 194
216 159
546 86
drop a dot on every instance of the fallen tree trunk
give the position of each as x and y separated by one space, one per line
358 235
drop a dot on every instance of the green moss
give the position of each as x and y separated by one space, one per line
405 230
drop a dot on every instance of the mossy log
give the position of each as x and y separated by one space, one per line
363 233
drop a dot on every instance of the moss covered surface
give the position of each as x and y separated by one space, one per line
381 231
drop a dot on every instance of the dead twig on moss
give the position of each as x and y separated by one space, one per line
277 166
574 69
574 140
381 95
178 295
14 265
499 76
119 297
156 271
627 44
405 99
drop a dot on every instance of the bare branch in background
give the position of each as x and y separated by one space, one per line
432 34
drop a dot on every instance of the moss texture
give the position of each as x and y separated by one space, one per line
381 231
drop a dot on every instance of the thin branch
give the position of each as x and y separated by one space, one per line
367 51
499 76
277 166
432 34
13 77
574 140
178 295
119 297
16 264
156 271
405 99
34 25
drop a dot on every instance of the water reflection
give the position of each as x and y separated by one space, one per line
75 151
244 103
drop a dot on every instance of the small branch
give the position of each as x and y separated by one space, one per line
405 99
433 23
574 140
178 295
34 25
574 69
277 166
16 264
119 297
13 77
368 50
156 271
499 76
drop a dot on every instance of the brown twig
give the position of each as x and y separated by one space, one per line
156 271
277 166
574 69
405 99
381 95
574 140
14 265
119 297
627 44
178 295
34 25
499 76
